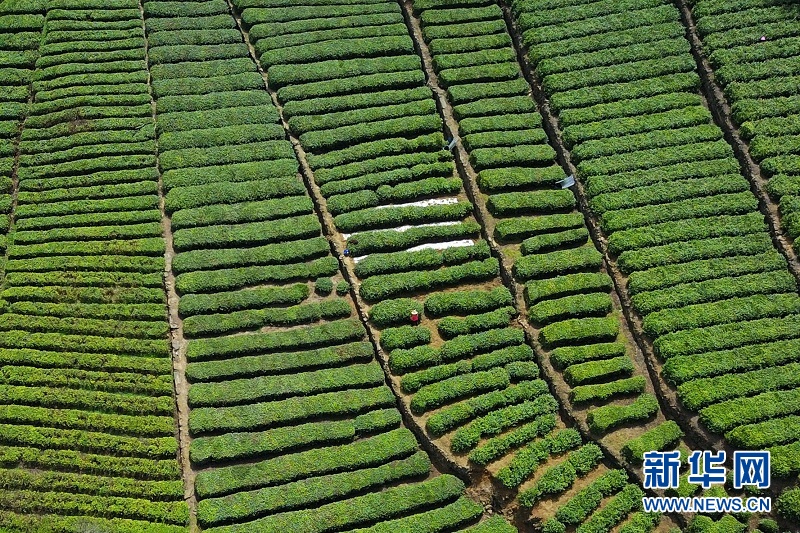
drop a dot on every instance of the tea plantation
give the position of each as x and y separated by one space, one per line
386 266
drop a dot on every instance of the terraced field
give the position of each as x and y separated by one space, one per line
320 266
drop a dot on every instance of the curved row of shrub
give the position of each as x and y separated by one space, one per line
354 94
88 417
584 508
356 99
480 383
534 220
713 292
291 419
19 47
569 301
372 134
753 49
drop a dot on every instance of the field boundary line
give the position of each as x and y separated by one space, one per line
177 341
721 112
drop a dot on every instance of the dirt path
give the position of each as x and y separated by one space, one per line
177 341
